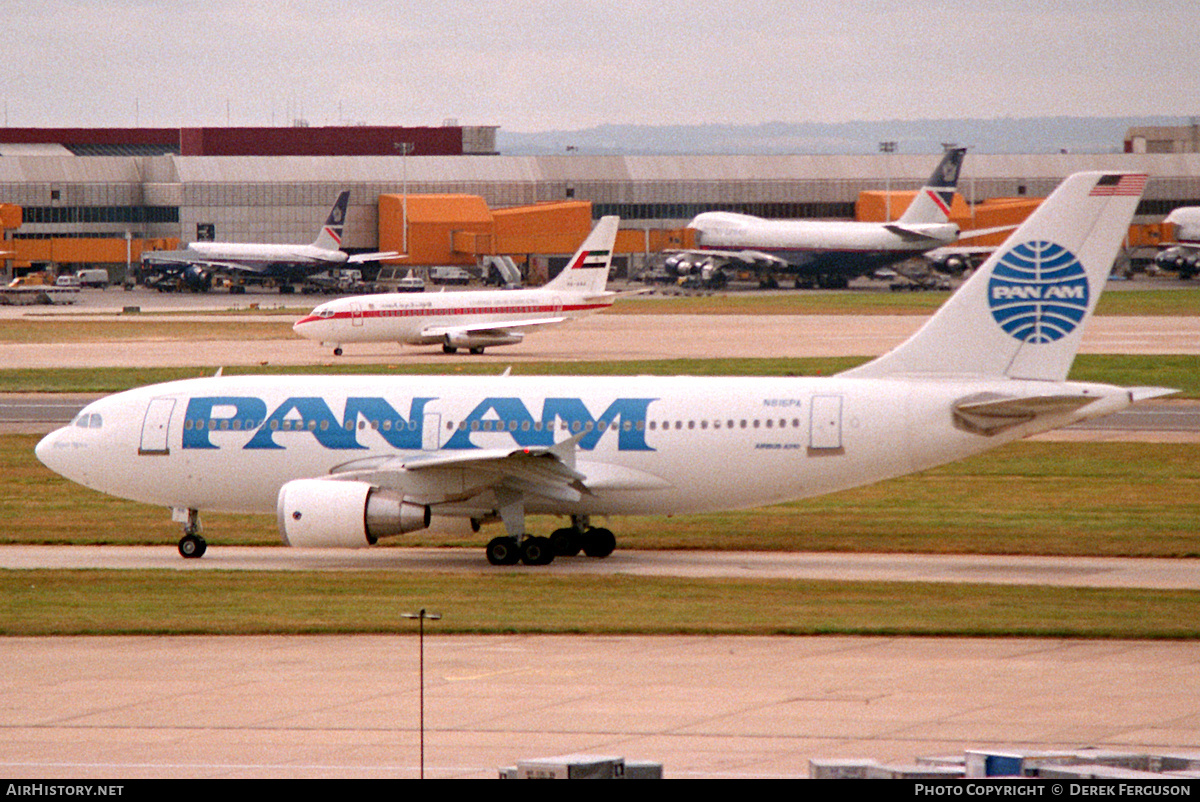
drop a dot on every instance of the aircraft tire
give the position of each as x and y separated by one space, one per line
337 351
192 547
599 543
566 542
477 350
449 349
503 551
537 551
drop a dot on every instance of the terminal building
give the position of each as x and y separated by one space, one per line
102 196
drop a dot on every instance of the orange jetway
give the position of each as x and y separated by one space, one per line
457 229
84 250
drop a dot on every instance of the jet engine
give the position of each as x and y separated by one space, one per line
324 513
460 339
197 279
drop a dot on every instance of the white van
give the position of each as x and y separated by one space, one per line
93 277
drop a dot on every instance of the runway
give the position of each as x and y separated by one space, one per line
602 337
1089 572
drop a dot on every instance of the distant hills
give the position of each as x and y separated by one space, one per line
1003 135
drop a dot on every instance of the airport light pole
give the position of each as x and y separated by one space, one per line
421 617
887 147
404 149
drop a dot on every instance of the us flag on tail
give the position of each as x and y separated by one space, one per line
1119 184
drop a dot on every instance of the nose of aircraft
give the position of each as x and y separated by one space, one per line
305 324
47 453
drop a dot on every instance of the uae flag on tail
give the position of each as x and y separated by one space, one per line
1119 184
590 259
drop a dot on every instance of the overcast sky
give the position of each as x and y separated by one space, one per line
533 66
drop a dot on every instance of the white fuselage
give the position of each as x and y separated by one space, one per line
261 253
424 318
650 445
1186 220
792 239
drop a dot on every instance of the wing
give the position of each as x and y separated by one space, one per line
457 478
494 328
470 483
746 256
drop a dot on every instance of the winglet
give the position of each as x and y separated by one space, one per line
565 451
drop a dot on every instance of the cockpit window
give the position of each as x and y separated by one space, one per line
325 313
88 420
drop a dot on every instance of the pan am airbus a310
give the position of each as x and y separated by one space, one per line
344 461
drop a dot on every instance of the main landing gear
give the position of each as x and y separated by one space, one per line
565 542
192 545
447 348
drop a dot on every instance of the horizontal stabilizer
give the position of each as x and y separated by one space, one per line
910 235
359 258
990 414
1145 393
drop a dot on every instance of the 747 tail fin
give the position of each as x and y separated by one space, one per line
1021 315
330 238
932 203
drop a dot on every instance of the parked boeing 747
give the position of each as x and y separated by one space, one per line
474 320
827 253
286 265
1183 255
348 460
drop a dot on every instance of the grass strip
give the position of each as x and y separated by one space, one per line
48 603
1180 371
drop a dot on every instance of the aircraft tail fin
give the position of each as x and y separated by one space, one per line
1021 314
330 238
587 272
932 203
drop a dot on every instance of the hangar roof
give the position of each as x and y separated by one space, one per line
450 169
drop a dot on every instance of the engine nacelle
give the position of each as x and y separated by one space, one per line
329 514
460 339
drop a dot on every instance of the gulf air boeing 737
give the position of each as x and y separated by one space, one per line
474 320
345 461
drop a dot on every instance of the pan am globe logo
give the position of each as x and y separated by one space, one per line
1038 292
